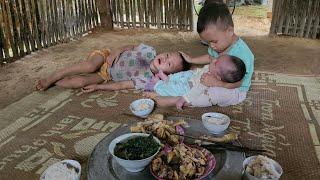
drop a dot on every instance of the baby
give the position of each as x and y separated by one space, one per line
128 66
187 84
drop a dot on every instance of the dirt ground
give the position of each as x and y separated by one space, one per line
276 54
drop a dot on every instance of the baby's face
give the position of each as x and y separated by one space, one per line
217 39
220 66
167 62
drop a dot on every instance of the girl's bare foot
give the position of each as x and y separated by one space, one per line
42 85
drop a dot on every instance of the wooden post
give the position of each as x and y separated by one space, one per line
105 14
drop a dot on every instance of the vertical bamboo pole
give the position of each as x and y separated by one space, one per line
114 12
5 44
120 11
24 26
134 12
140 10
316 26
44 19
17 29
158 14
162 25
166 8
304 18
190 15
10 27
126 8
34 23
146 6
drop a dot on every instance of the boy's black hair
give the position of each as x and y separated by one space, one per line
214 13
185 65
237 73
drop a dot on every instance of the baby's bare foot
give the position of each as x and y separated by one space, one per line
42 85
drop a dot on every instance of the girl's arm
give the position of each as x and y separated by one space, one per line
109 86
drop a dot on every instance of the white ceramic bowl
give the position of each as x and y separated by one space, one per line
132 165
248 176
215 123
60 170
142 107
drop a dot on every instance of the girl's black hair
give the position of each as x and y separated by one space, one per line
185 65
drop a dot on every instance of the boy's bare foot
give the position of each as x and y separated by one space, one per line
42 85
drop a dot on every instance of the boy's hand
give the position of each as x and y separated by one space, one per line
90 88
210 80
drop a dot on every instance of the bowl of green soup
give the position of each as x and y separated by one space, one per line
134 151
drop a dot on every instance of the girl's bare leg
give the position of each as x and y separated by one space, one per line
89 66
79 81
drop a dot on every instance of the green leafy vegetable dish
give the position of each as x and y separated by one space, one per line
136 148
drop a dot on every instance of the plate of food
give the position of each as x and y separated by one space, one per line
167 131
183 162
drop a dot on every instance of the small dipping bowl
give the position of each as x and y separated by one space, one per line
142 107
248 176
215 123
132 165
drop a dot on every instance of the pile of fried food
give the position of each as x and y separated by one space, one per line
182 162
163 129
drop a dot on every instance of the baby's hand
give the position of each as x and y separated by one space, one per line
210 80
90 88
162 76
180 103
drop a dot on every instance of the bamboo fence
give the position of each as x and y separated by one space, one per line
30 25
159 14
296 18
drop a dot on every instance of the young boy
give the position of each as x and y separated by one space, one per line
215 26
187 84
129 66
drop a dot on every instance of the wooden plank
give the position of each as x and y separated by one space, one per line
95 13
166 8
76 17
140 11
275 11
24 26
133 12
145 5
17 30
311 17
34 23
120 9
316 26
50 22
127 11
157 11
44 19
303 18
10 27
4 42
114 11
190 15
161 14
